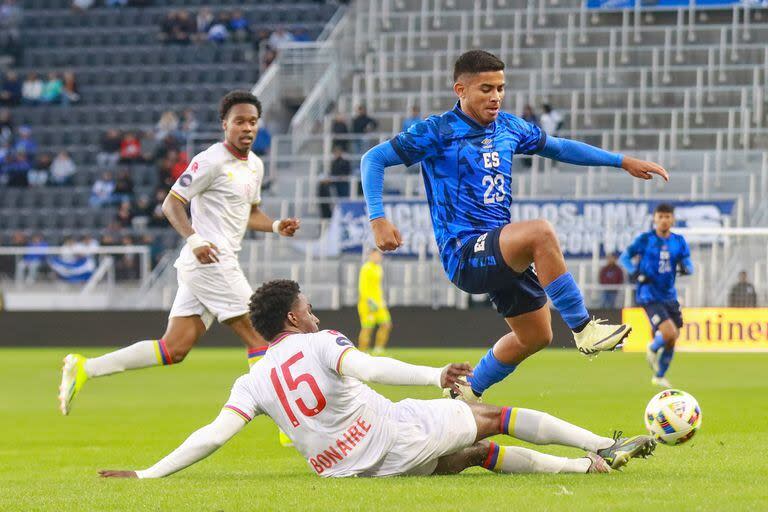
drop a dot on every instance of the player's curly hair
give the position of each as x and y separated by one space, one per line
270 305
476 61
235 98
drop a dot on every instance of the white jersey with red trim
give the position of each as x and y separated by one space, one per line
221 187
340 425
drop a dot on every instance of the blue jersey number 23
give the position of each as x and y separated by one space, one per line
494 185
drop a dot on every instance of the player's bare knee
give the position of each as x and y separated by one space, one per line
545 233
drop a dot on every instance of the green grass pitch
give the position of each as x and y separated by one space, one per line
128 421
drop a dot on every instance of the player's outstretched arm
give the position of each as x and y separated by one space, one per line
260 221
625 260
372 167
579 153
198 446
386 370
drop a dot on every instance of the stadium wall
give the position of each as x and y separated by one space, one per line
413 327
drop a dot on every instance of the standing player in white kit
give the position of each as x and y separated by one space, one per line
222 185
309 383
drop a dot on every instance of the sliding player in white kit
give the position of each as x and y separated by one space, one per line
222 185
309 383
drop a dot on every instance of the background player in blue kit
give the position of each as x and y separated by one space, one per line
660 254
466 160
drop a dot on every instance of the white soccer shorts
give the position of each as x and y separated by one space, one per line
211 291
427 430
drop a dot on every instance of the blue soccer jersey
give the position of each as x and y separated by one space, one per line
659 258
467 170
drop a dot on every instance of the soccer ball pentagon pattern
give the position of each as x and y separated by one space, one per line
673 416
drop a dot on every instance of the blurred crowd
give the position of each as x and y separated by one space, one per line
52 89
77 262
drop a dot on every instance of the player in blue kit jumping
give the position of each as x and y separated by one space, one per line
466 161
661 253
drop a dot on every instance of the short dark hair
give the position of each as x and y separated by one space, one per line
270 305
235 98
476 61
664 208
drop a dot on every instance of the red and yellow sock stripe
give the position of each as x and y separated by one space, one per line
162 354
254 354
507 420
239 412
495 457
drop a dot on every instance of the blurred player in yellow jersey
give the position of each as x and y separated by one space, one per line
371 306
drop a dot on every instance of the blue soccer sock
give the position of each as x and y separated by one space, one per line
657 343
665 360
567 298
488 372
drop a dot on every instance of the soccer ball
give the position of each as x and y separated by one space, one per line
673 416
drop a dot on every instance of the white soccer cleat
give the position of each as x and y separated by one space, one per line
653 359
73 377
661 382
599 336
465 394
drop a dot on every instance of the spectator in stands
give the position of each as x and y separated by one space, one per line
142 209
219 31
127 265
124 215
102 192
414 118
70 93
610 274
551 120
743 293
157 218
124 186
362 123
149 146
63 169
179 161
25 143
279 37
301 35
80 6
8 262
239 26
204 20
168 144
130 149
31 89
529 115
52 89
337 182
10 91
188 124
339 127
109 154
16 169
167 27
33 260
7 127
269 56
262 141
39 175
167 125
178 27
